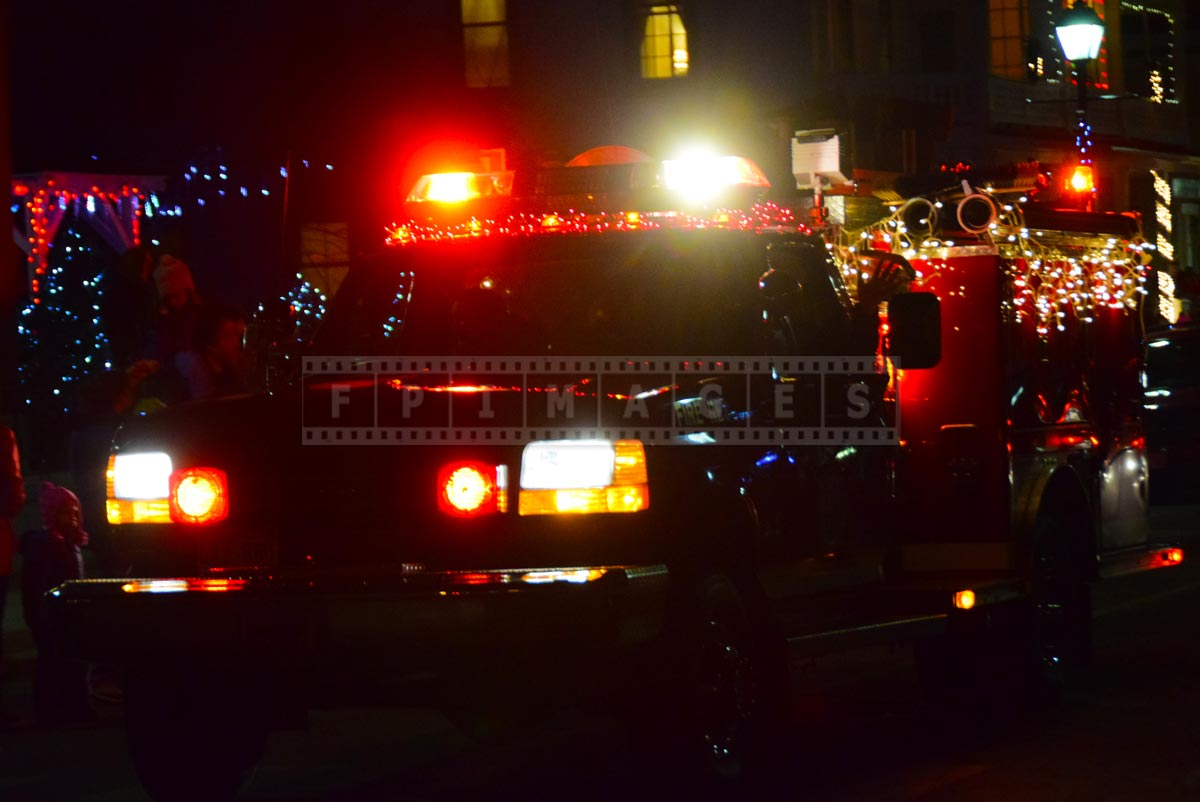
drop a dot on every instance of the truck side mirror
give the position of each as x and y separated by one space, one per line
915 329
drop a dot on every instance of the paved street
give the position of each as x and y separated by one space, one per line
862 732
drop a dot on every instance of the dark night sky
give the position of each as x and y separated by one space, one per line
143 86
149 88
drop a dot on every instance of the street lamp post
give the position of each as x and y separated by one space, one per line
1080 32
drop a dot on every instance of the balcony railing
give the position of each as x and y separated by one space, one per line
1052 105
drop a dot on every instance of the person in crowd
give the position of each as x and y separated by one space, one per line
179 311
12 498
51 557
214 368
128 305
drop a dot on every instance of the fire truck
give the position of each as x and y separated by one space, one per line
621 428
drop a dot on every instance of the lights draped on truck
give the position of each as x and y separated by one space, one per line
1053 272
760 217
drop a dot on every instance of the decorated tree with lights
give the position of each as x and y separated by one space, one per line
63 339
63 332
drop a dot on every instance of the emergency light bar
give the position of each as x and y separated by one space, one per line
650 186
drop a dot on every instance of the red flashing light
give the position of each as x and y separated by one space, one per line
199 496
454 188
467 489
1082 179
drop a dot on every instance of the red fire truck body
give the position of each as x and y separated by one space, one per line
1012 422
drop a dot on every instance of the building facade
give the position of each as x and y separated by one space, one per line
910 85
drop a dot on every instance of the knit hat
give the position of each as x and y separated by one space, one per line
172 276
51 500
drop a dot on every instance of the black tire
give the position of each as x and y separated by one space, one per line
1026 652
194 736
1053 640
722 690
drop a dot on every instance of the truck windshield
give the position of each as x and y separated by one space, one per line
653 293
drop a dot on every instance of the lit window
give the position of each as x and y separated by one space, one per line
1148 50
485 42
1008 32
664 46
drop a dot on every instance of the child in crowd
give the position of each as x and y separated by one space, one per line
52 556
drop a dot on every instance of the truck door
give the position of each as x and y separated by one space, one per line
821 502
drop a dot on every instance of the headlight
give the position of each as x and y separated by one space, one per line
138 486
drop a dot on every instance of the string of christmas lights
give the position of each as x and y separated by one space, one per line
1052 274
113 206
760 217
211 180
307 306
1162 79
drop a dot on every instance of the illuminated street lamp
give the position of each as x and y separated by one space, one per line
1080 32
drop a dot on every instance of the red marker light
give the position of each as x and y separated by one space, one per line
1173 556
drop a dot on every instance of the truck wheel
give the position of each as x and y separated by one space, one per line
193 737
725 685
1058 621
